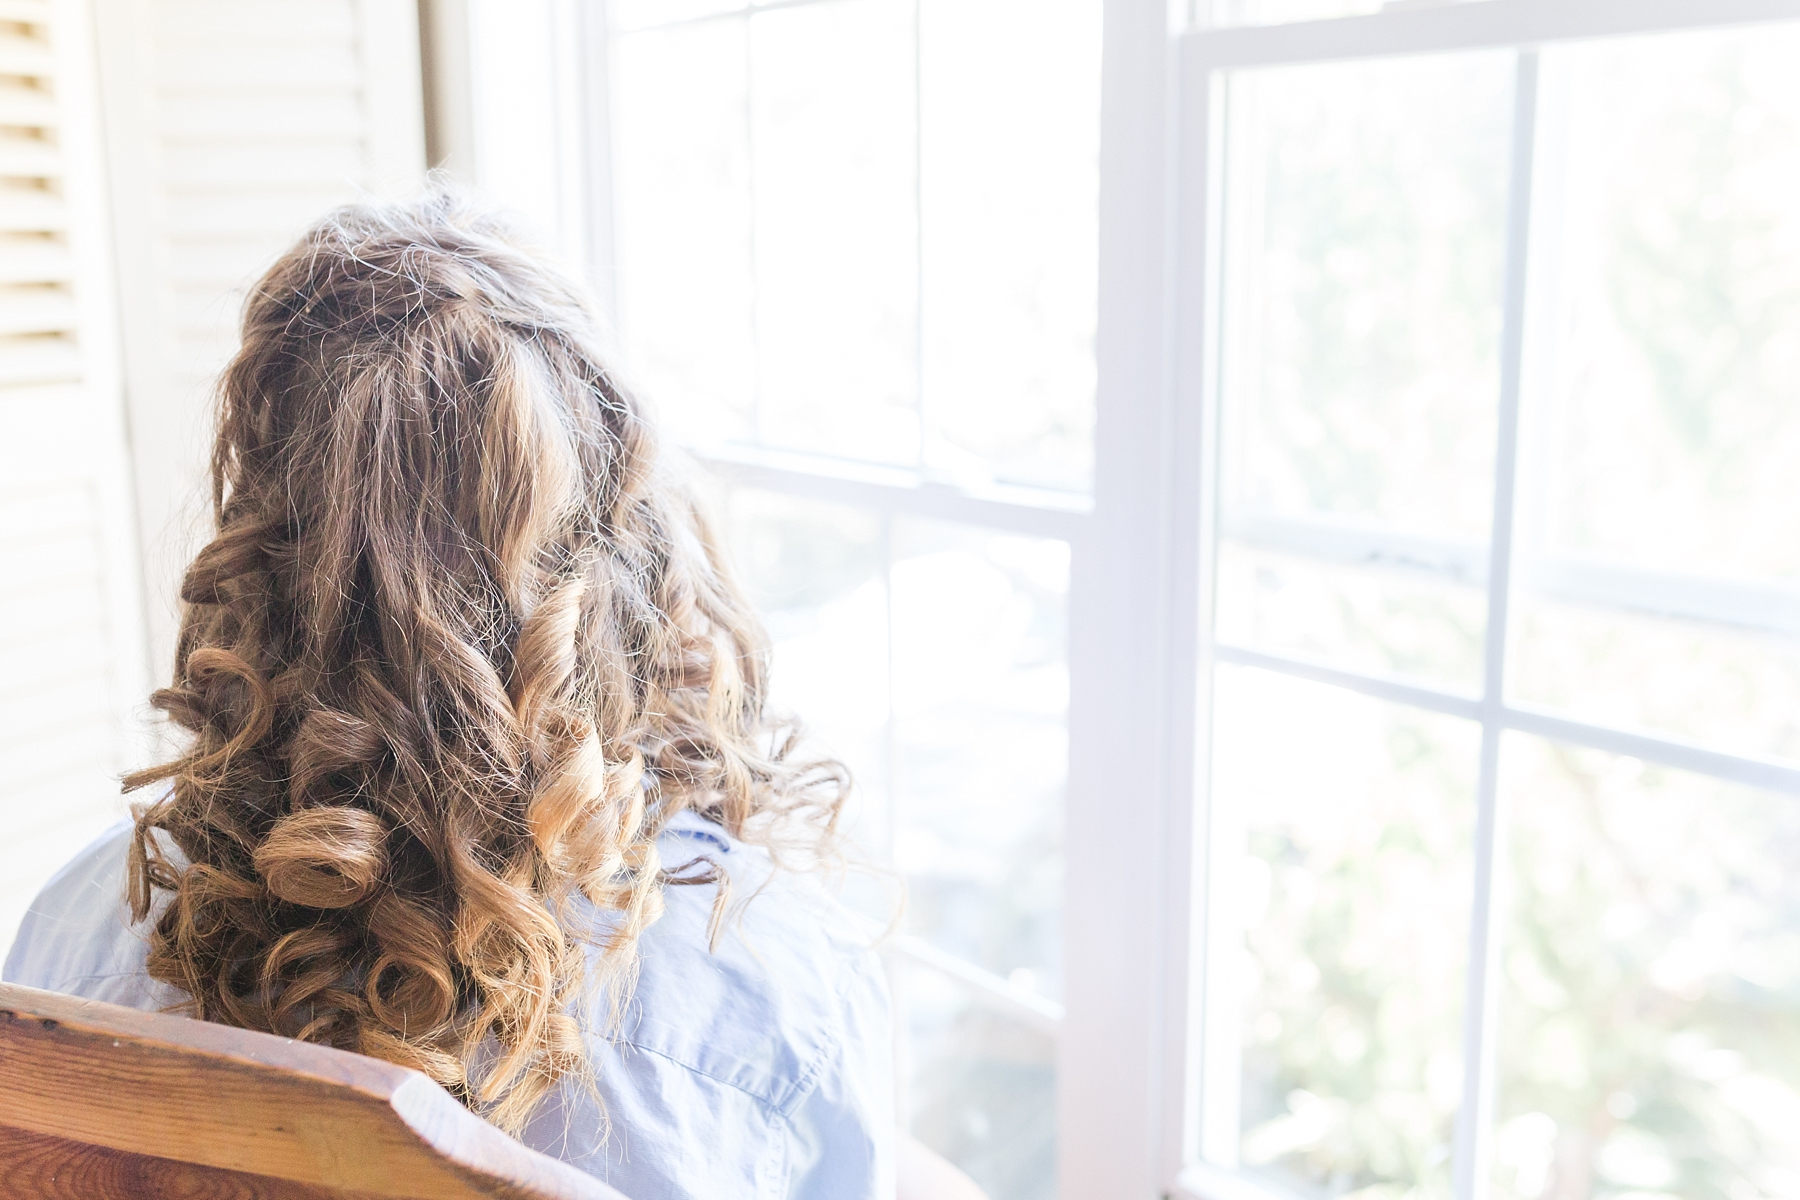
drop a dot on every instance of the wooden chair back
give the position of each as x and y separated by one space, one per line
99 1102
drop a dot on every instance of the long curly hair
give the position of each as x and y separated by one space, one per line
459 649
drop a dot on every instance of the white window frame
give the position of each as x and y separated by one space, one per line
1200 1101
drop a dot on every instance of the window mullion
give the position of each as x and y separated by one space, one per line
919 411
1205 1002
755 230
1439 28
1472 1135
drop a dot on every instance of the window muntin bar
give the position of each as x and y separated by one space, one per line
1491 24
1769 774
1733 603
1472 1132
1040 1012
1031 511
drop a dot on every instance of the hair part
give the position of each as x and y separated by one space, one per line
458 650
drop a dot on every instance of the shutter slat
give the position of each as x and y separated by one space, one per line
221 262
26 106
22 212
274 69
28 158
25 12
272 214
35 264
273 164
26 56
27 513
325 115
232 23
52 313
35 362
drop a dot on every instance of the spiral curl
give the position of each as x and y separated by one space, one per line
460 647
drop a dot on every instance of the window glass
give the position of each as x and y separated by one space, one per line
897 203
1650 1003
1009 144
865 231
1674 354
817 573
930 658
1382 622
1360 371
1366 212
1661 556
1648 973
981 1087
1734 688
981 696
1342 832
834 177
681 201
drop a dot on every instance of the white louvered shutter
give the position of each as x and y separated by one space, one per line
71 641
232 126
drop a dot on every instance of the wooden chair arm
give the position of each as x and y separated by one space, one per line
179 1100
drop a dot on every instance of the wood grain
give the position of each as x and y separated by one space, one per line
232 1109
34 1166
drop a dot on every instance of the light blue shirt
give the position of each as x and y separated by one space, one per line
762 1069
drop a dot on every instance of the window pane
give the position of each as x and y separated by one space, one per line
1738 689
981 1088
865 228
1650 1012
1009 110
1342 833
1365 218
817 574
835 185
975 713
1660 473
980 706
1378 622
682 203
1672 423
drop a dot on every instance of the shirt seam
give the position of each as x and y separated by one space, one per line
808 1078
781 1101
759 1097
65 985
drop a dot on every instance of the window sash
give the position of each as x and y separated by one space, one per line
1206 1092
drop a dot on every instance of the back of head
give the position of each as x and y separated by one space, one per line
458 650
